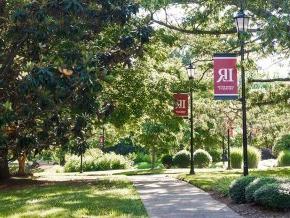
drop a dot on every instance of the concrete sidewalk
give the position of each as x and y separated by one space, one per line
168 197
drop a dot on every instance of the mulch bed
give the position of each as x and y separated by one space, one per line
251 210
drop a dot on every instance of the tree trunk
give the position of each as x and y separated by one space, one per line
153 157
4 169
21 165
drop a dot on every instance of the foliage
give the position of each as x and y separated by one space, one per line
266 154
55 58
216 155
167 160
143 165
125 147
114 197
284 159
210 180
202 158
107 161
142 157
238 188
236 158
283 143
255 185
181 159
274 195
254 157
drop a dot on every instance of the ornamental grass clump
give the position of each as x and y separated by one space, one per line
236 158
254 157
284 159
238 188
202 158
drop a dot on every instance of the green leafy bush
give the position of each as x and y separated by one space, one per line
216 155
202 158
143 165
255 185
236 158
181 159
275 195
142 157
283 143
167 160
254 157
238 188
284 159
107 161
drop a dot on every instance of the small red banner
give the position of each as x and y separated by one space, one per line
181 104
225 77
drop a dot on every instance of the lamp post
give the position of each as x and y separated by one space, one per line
242 22
191 72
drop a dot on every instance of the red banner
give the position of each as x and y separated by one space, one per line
225 77
181 104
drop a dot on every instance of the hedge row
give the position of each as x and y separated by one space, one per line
181 159
265 191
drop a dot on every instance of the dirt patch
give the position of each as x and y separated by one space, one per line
251 210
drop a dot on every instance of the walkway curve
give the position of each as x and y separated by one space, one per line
164 196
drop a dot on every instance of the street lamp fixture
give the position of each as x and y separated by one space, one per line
191 73
242 23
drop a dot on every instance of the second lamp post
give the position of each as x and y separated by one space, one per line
191 72
242 22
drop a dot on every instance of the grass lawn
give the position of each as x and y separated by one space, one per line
103 198
141 172
219 180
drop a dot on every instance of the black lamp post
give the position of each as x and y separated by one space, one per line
242 22
191 72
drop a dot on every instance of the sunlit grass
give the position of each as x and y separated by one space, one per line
142 172
104 198
219 180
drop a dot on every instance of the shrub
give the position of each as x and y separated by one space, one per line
283 143
167 160
236 158
108 161
181 159
255 185
267 154
254 157
143 165
238 188
216 155
202 158
284 159
142 157
275 195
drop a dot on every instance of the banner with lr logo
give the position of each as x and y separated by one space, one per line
225 77
181 104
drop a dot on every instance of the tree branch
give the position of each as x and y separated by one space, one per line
269 80
195 31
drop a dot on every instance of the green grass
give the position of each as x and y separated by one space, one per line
219 180
108 198
142 172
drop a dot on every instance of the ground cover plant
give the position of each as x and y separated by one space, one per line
219 180
106 197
